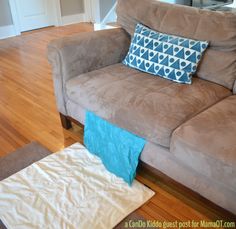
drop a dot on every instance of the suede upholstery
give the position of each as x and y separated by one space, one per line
88 76
207 142
183 172
72 56
219 62
146 105
162 159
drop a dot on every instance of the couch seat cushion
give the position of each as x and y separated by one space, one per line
207 142
148 106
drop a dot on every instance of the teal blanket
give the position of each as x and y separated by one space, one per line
118 149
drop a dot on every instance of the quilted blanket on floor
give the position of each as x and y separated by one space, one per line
69 189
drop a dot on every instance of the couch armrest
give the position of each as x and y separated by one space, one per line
85 52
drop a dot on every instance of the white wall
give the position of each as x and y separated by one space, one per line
7 28
5 13
105 6
71 7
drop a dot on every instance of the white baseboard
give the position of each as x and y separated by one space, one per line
99 26
72 19
7 31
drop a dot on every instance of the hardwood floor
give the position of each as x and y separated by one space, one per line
28 112
27 104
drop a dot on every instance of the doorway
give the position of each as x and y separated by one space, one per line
34 14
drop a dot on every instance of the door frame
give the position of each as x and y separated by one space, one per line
57 18
95 10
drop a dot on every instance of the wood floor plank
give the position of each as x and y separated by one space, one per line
28 113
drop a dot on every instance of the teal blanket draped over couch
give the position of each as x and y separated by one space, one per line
118 149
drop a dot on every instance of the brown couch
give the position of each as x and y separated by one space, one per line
190 129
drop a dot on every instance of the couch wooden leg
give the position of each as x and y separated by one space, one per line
65 122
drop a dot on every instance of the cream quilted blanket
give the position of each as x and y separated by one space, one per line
69 189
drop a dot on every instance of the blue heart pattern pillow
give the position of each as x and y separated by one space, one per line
168 56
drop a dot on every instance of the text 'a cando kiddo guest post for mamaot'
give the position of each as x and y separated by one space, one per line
179 224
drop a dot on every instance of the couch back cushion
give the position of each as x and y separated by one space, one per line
219 28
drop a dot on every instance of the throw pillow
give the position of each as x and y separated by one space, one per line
168 56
